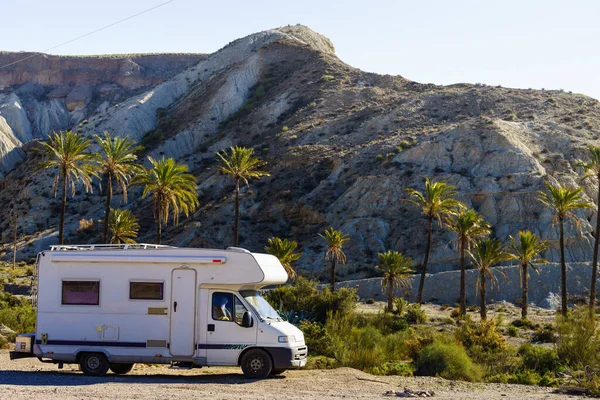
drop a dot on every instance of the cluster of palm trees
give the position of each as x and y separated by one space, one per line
174 191
438 203
172 188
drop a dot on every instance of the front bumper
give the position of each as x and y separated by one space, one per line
286 357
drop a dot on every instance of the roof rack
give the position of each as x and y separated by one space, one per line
137 246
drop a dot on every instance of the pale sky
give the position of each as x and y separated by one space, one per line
527 43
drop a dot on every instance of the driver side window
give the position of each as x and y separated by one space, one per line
222 306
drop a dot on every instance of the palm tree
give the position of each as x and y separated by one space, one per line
525 251
242 165
592 170
283 249
468 226
396 269
68 152
486 253
334 240
119 162
123 226
563 201
171 186
437 202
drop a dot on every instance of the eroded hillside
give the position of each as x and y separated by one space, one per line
341 146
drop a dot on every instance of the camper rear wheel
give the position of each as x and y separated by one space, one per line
121 369
94 364
256 364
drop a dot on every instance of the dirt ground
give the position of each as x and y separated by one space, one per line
28 379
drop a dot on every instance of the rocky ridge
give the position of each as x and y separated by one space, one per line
341 145
46 93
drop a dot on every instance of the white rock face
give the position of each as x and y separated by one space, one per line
10 151
15 116
49 116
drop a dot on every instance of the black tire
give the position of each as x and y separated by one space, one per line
278 371
121 369
256 364
94 364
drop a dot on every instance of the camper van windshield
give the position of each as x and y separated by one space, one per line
260 305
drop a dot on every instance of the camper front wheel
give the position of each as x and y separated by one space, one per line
256 364
95 364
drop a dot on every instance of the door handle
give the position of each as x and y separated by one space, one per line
211 327
175 307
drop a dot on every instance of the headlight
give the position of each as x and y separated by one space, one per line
287 339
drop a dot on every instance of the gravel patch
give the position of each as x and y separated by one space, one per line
28 379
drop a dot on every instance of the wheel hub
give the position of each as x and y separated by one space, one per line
93 363
256 364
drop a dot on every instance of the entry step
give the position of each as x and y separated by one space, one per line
182 365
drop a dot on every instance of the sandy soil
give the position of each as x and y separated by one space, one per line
28 378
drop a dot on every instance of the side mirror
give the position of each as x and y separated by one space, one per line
247 320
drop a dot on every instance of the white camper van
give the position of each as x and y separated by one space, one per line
110 306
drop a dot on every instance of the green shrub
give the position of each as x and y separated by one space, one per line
359 348
370 301
415 314
392 368
539 359
399 346
522 323
448 360
327 78
544 334
400 306
285 128
578 339
455 313
513 331
385 322
303 296
317 339
483 334
321 362
16 313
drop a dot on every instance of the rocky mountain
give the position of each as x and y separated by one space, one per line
41 93
341 146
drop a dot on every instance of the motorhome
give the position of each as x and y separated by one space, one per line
111 306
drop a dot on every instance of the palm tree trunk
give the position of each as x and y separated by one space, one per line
426 260
563 268
390 295
595 256
463 289
63 208
524 299
107 209
15 230
236 215
158 226
482 308
332 279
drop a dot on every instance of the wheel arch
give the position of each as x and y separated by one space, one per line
81 352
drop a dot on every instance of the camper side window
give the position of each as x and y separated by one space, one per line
81 293
146 290
222 306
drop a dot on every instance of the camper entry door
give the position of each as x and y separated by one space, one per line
183 312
